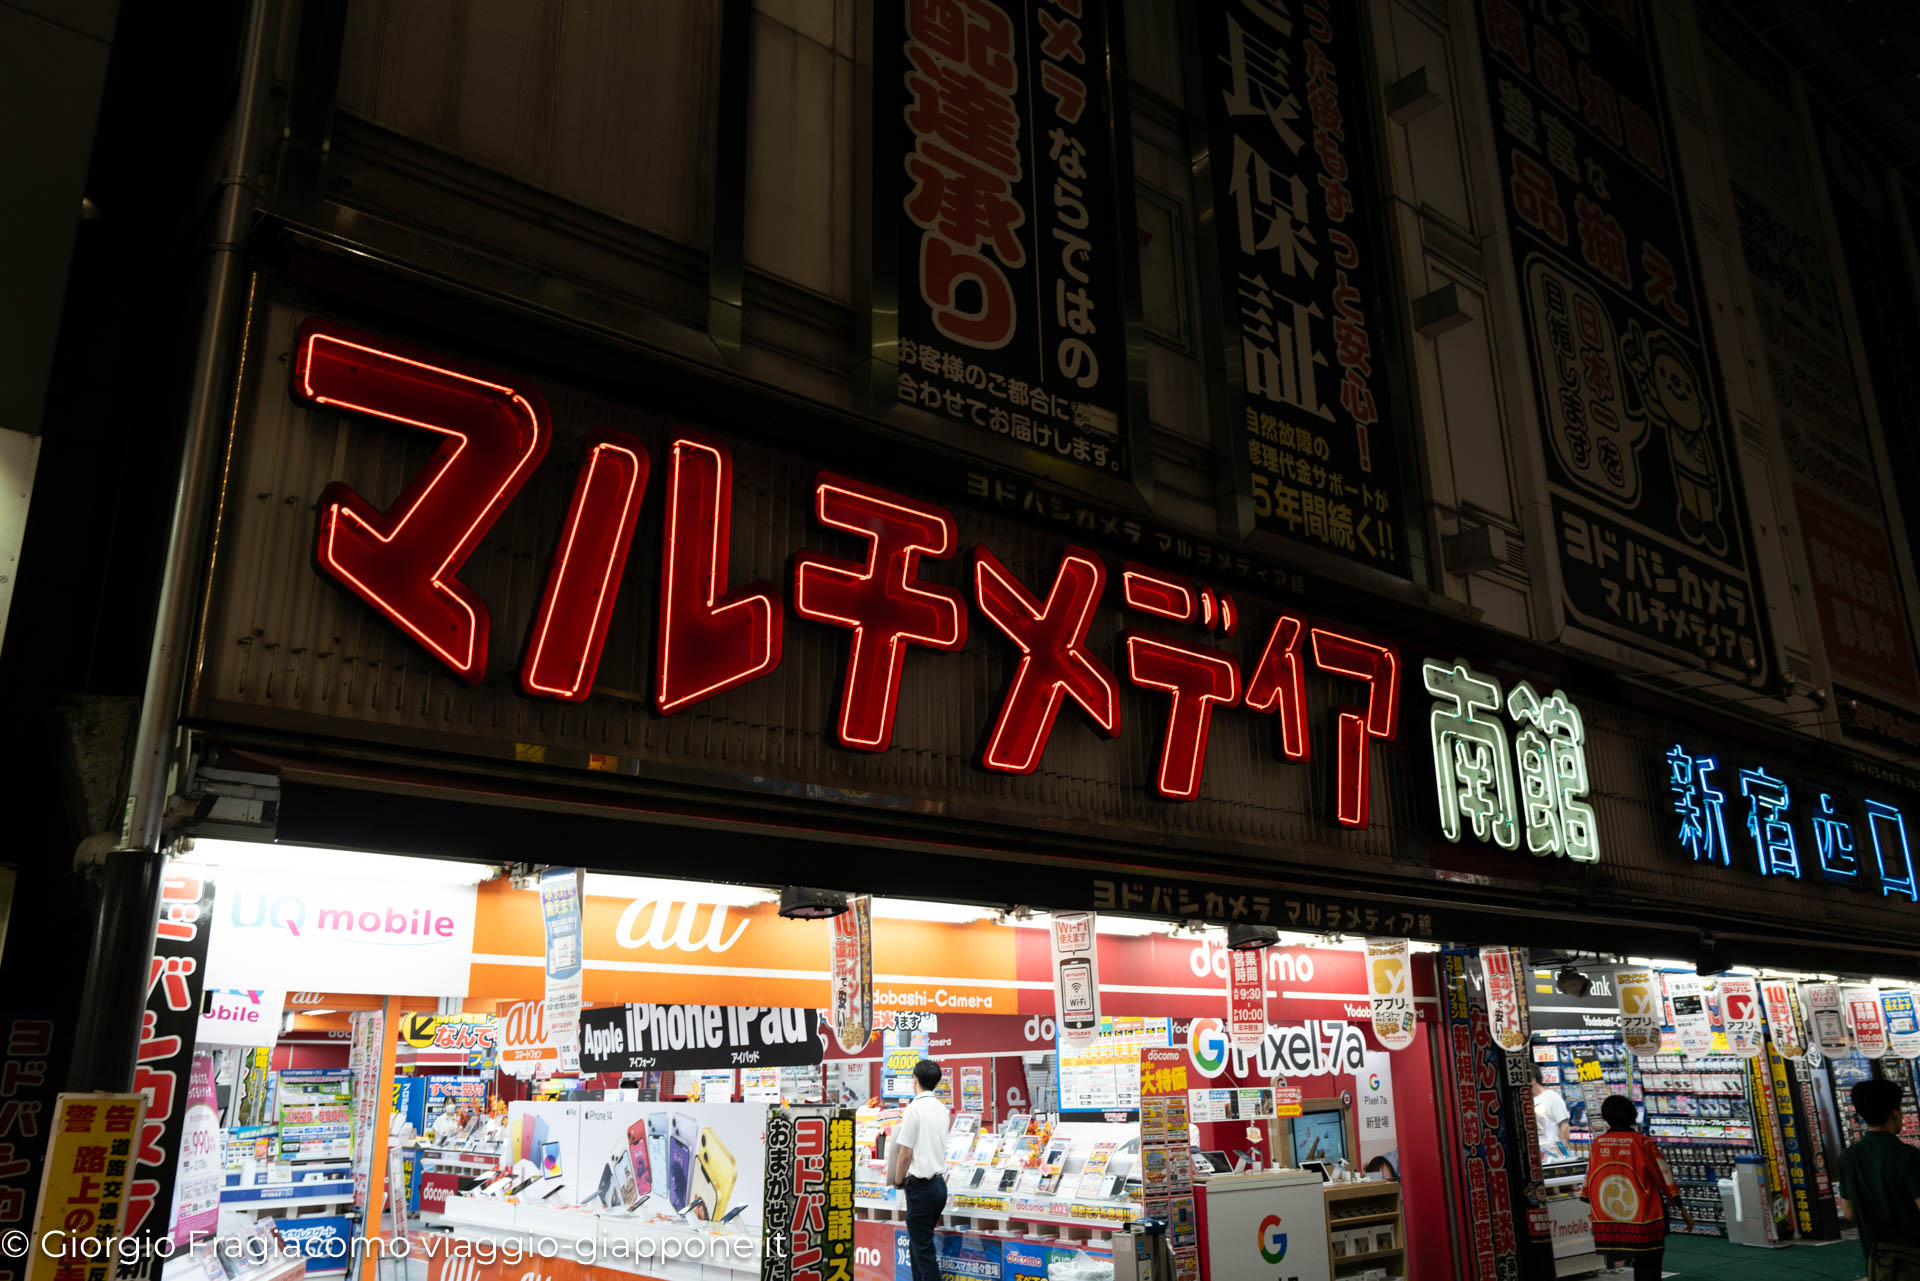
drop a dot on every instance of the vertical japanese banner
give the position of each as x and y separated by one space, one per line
808 1194
196 1191
852 973
996 187
1390 992
367 1030
1827 1018
1740 1015
1163 1131
1766 1138
1866 216
1836 490
84 1193
1478 1079
1246 998
1863 1016
562 900
1076 978
1795 1140
1647 517
1783 1017
1640 1013
1692 1023
1301 244
1903 1026
175 981
973 1089
1506 1016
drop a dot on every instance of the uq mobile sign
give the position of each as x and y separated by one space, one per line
1508 762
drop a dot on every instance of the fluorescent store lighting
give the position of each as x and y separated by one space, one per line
309 863
1134 926
666 890
913 909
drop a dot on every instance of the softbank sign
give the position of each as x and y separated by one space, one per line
340 934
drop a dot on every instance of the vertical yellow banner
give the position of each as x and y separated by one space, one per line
84 1188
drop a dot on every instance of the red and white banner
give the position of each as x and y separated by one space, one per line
1783 1018
1246 998
1504 1019
1868 1024
1692 1022
1740 1016
1390 992
1076 978
852 975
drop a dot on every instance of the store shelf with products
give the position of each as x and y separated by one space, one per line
1558 1056
1699 1110
1364 1227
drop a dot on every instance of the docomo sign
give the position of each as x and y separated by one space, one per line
405 563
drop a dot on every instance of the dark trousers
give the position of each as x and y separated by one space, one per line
926 1199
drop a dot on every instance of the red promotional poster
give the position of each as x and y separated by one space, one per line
853 975
1246 999
1783 1018
1503 999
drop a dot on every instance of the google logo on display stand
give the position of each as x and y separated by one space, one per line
1207 1047
1273 1242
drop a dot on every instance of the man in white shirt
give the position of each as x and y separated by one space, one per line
1556 1123
918 1163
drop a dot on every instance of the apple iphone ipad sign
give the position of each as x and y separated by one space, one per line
995 182
645 1038
1289 130
1647 517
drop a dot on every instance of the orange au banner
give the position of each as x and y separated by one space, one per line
84 1185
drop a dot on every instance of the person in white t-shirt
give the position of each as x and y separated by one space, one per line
1556 1122
918 1163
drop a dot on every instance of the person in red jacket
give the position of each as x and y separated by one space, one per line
1627 1183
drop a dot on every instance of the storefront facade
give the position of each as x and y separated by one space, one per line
556 524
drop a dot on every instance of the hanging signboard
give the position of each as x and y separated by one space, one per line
1300 245
1692 1022
1246 997
165 1054
852 966
1076 979
1640 1012
1902 1023
1645 496
1783 1018
638 1038
1390 992
526 1048
808 1194
995 189
249 1019
1740 1015
562 899
1506 1016
1863 1016
1837 493
367 1032
1827 1018
85 1189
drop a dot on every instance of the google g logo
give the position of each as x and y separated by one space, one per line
1373 1083
1273 1242
1207 1046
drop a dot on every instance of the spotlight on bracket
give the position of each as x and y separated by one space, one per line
800 904
1249 938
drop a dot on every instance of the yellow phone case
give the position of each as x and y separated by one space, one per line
714 1173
